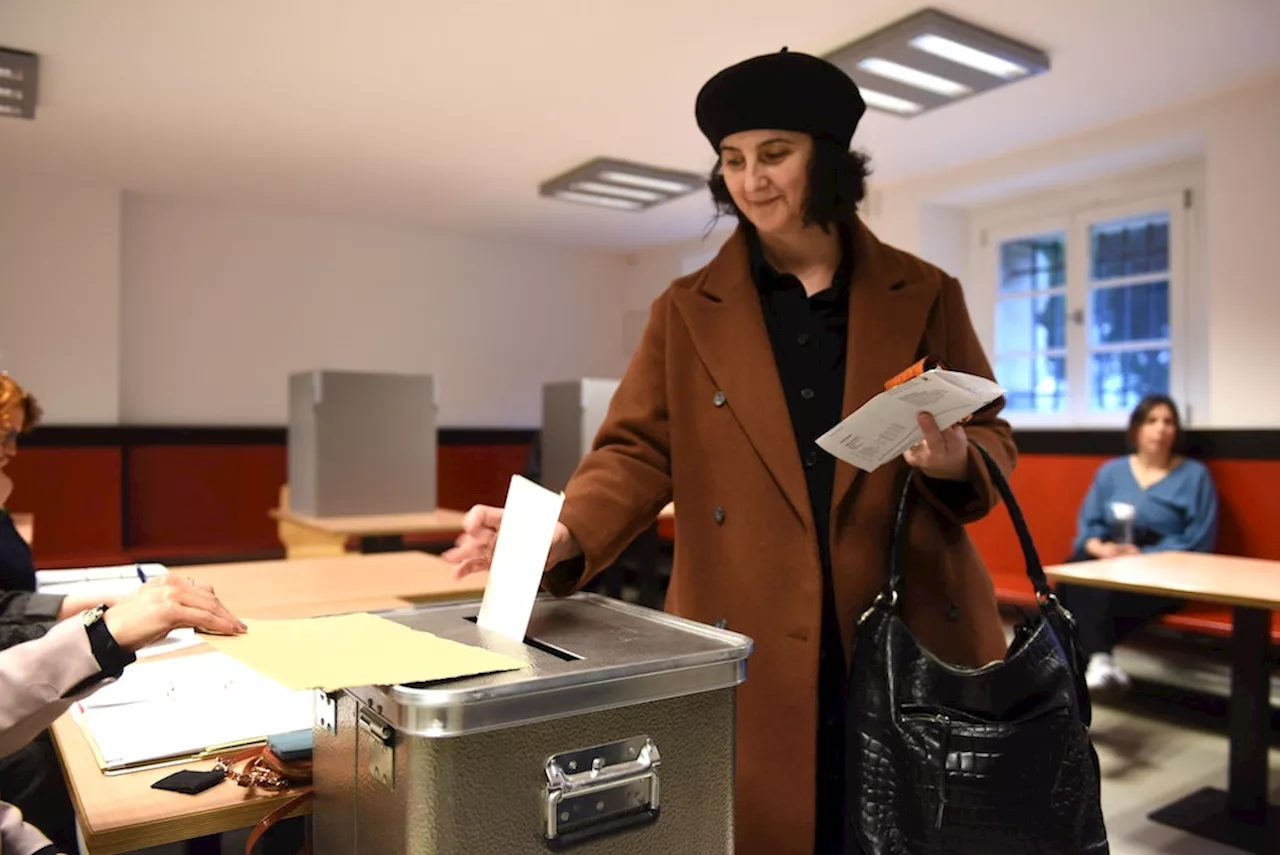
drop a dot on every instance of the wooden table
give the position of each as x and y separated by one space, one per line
121 813
377 533
1241 816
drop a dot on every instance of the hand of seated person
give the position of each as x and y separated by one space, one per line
1116 550
163 605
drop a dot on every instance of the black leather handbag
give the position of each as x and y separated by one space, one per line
946 760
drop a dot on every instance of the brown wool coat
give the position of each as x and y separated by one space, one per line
746 550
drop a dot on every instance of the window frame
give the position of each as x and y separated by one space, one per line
1076 223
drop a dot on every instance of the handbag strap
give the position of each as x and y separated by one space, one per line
278 815
898 552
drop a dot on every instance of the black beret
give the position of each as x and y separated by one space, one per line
783 91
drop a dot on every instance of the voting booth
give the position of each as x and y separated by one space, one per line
617 737
361 443
572 412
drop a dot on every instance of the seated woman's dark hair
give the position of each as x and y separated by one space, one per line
837 185
1141 412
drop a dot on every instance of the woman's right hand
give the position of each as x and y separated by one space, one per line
473 550
163 605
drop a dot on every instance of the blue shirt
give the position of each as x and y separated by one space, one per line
1178 513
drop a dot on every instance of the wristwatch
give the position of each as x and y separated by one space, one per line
112 658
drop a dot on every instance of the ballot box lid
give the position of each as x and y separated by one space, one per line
582 654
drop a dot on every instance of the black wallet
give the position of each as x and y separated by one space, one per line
189 782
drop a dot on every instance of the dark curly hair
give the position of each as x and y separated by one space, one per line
837 184
1141 412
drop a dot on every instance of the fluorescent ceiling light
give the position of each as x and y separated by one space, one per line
913 77
645 181
881 101
18 83
602 201
931 59
972 57
620 184
612 190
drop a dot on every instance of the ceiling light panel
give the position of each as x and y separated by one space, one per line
931 59
19 73
621 185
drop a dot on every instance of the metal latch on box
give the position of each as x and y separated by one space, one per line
326 711
596 791
380 743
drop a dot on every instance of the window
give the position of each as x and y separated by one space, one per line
1087 312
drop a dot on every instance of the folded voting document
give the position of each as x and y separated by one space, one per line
524 540
884 428
342 651
180 709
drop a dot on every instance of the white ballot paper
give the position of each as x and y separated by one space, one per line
524 540
885 427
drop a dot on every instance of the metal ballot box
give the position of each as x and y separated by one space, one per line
617 737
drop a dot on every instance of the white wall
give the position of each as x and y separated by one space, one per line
60 298
649 273
220 305
1235 137
146 310
1241 228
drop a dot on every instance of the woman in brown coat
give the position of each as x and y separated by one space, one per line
798 321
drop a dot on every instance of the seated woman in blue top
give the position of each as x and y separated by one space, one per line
1153 500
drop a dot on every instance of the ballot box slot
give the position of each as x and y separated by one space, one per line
545 646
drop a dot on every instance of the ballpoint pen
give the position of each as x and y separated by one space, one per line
142 577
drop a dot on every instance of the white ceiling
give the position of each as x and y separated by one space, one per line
452 113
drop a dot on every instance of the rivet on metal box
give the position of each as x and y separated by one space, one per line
617 737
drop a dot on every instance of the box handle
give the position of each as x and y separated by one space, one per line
594 792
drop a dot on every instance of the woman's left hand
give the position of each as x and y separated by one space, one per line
941 454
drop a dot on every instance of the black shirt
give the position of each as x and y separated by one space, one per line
17 569
810 339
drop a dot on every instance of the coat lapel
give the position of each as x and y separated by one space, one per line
726 323
889 305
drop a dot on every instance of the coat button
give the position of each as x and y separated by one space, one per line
806 394
810 459
718 400
719 515
953 613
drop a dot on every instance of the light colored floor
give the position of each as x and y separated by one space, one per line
1148 762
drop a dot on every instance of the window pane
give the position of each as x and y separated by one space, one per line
1117 381
1035 384
1131 313
1031 323
1130 247
1033 264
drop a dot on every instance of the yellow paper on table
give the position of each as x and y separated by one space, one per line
346 651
